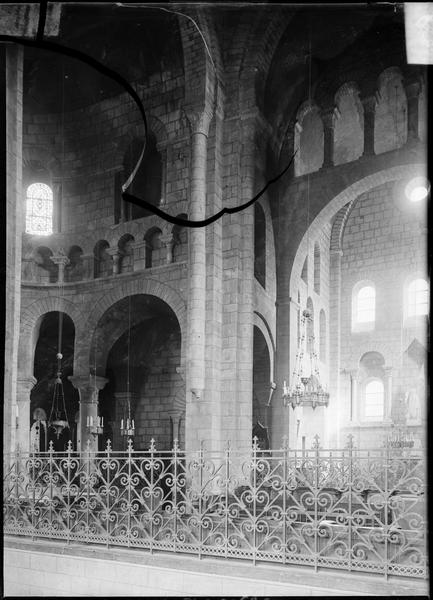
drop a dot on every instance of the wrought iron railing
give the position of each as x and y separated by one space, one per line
349 509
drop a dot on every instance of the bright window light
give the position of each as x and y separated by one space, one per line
418 194
374 400
418 298
365 305
39 209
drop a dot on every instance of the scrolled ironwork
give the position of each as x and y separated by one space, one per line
341 508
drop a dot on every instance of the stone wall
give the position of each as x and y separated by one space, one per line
384 243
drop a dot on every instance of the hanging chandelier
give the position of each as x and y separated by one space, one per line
127 425
58 417
400 438
306 388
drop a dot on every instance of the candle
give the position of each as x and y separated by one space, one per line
121 424
102 422
133 426
88 421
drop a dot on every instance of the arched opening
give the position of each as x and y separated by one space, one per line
44 370
304 272
390 125
46 270
372 403
349 126
261 389
147 181
103 263
126 249
154 248
137 347
259 244
309 141
74 271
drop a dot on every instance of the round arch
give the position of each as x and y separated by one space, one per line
348 195
31 318
150 287
261 324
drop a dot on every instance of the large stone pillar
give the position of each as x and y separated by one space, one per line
198 417
88 388
11 72
22 412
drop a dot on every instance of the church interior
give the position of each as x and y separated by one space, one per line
301 319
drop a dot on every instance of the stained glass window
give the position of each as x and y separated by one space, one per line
39 209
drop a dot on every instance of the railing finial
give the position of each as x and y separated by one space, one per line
316 443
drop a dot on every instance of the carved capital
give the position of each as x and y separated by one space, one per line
329 115
369 102
88 386
199 121
25 385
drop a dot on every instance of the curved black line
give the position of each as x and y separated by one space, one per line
204 222
43 5
45 45
52 46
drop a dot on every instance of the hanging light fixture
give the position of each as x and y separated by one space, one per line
58 419
400 438
306 388
127 425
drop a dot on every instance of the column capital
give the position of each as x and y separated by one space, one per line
167 238
88 382
114 252
199 120
26 384
329 115
337 252
60 258
369 101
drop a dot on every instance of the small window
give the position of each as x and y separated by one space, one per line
39 209
374 400
417 298
365 306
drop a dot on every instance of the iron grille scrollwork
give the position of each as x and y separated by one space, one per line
345 508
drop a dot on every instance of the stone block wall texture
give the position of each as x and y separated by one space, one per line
83 151
383 243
